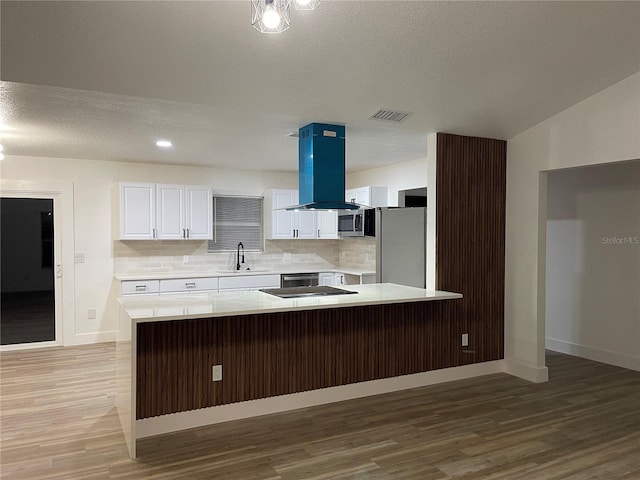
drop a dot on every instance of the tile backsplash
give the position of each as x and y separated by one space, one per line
190 256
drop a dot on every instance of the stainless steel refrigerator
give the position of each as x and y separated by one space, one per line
401 246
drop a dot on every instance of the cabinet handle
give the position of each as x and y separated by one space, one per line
154 233
190 285
141 288
318 233
187 233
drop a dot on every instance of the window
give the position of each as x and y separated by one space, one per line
236 219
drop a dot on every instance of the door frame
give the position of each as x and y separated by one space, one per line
64 287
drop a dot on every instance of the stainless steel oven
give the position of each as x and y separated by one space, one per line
298 280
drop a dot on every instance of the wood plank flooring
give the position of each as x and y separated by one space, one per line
58 421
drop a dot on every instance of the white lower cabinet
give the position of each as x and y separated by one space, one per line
249 282
331 279
188 285
140 287
339 279
173 285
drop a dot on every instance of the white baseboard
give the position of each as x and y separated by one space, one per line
94 337
207 416
531 373
595 354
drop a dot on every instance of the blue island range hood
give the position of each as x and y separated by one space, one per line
321 168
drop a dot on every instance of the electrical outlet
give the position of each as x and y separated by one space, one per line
91 314
78 258
185 259
465 339
216 373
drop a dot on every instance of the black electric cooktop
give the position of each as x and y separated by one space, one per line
295 292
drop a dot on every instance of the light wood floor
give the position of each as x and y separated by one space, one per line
59 422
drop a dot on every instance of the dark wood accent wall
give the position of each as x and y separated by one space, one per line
279 353
471 195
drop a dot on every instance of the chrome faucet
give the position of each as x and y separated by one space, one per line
238 262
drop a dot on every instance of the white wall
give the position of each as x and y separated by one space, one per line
400 176
94 213
603 128
593 263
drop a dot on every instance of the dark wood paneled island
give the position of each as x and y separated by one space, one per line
270 347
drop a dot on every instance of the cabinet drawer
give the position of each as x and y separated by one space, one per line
139 287
249 282
188 284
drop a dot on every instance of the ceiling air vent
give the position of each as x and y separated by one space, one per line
389 115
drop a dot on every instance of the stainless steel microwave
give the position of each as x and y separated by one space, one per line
357 223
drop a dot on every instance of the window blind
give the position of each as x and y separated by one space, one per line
236 219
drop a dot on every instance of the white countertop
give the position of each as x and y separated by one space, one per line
152 308
226 273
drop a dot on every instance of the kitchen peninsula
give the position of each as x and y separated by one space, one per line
268 346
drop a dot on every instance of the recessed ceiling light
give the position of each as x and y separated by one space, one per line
164 143
1 156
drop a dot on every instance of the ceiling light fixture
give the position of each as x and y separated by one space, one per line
274 16
305 4
164 144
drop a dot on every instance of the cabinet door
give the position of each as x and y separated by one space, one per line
327 224
325 279
305 224
362 196
350 195
282 219
338 279
199 213
170 217
137 211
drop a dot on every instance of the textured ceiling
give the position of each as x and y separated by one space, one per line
104 80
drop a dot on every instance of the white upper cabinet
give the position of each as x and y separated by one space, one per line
327 224
368 196
288 224
170 212
304 223
165 212
198 212
281 220
137 211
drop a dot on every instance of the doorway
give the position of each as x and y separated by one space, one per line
28 272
